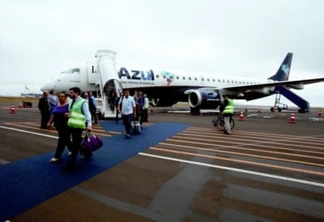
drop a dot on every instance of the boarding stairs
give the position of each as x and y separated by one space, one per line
106 81
293 97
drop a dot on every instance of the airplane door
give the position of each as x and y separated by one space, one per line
113 85
92 73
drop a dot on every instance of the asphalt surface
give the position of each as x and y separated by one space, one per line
267 170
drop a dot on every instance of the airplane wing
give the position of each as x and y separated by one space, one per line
295 84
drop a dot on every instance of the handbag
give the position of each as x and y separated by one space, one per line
90 143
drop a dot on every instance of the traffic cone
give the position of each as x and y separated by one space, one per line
12 110
292 118
319 114
241 116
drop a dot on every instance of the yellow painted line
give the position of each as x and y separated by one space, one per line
212 131
288 137
244 154
114 132
233 146
257 141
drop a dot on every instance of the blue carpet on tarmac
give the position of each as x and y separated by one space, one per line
27 183
111 125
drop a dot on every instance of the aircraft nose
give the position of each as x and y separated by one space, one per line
44 87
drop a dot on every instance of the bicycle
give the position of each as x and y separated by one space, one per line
219 122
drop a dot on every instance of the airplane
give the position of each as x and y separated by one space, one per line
200 90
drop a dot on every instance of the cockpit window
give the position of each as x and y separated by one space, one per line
72 71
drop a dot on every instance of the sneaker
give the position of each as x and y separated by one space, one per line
54 160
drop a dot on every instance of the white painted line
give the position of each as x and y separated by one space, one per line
197 163
3 162
234 169
29 132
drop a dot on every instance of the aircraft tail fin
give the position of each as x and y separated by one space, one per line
284 69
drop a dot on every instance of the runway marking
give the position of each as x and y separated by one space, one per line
249 144
29 132
243 154
209 165
3 161
252 133
247 133
52 131
240 161
240 148
234 169
258 144
250 138
94 127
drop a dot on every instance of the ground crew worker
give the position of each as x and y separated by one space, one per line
227 113
79 120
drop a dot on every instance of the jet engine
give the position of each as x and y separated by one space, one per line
204 99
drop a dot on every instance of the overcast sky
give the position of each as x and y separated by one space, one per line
39 39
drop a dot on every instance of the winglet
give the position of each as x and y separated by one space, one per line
284 69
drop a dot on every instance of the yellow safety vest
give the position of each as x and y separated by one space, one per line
77 119
229 109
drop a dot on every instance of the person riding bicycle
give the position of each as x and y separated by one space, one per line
227 110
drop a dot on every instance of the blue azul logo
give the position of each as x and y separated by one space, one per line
169 76
285 69
146 75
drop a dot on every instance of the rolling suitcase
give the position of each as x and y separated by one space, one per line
136 127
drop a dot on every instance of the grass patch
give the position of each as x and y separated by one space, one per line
17 99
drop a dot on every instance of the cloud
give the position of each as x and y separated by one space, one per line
250 38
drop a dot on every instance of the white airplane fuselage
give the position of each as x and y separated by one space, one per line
200 90
165 85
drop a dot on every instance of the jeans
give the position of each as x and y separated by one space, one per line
127 122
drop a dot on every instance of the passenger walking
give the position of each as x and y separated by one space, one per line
145 109
117 104
227 113
60 123
44 108
93 107
79 115
127 103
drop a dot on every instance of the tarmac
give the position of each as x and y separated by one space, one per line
267 170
